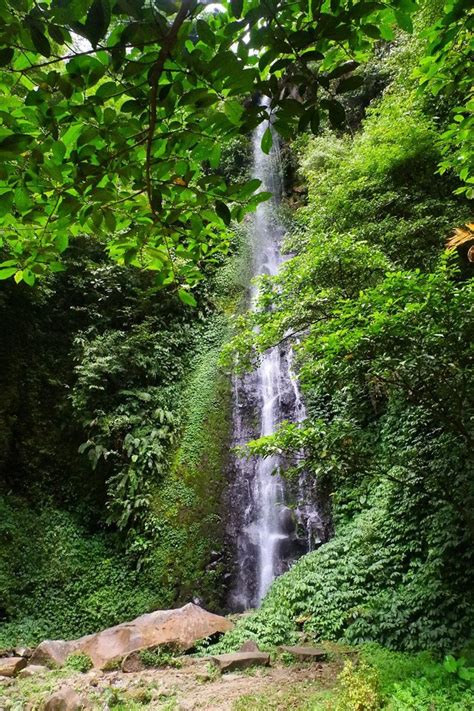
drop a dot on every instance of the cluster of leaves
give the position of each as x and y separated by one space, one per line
384 324
78 661
402 681
162 656
92 360
59 580
445 72
126 396
459 668
114 115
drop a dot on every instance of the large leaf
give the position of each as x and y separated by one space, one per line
40 42
267 140
97 22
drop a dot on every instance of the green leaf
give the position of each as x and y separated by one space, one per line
404 21
23 200
371 31
315 121
28 277
233 111
97 22
108 89
6 273
15 143
205 33
349 84
41 43
237 7
6 56
267 141
223 212
186 297
337 115
61 242
56 33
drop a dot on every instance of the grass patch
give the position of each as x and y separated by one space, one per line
303 696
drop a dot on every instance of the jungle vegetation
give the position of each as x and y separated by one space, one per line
125 205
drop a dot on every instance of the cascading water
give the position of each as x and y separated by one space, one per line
269 525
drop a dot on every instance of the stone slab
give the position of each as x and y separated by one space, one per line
240 660
10 666
315 654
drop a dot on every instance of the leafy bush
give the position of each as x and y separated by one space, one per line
359 688
58 580
160 657
78 662
383 322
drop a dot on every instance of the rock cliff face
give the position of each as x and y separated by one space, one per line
181 628
270 522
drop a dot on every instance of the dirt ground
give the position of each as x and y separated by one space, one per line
191 688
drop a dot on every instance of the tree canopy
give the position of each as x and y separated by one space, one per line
114 113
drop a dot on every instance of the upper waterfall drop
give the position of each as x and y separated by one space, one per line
267 520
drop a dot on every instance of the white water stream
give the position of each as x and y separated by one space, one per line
268 489
263 525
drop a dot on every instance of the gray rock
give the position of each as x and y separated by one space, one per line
32 670
52 652
10 666
65 699
250 646
315 654
240 660
23 652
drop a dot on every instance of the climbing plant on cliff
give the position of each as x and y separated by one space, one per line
114 113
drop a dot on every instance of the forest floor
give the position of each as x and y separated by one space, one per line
199 686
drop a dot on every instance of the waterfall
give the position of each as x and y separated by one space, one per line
270 525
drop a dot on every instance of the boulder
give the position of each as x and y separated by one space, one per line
23 652
65 699
240 660
52 653
250 646
10 666
315 654
32 670
181 628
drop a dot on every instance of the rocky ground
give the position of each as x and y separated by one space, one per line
148 663
198 685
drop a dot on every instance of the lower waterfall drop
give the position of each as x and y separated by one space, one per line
269 525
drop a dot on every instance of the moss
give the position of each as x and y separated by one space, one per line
188 504
188 558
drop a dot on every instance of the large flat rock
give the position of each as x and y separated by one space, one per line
304 654
181 628
10 666
240 660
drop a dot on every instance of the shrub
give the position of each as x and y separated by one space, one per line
78 661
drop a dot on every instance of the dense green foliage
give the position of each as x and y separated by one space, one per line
113 426
114 114
115 411
400 682
384 322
